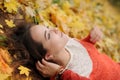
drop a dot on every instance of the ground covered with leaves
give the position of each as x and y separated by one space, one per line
74 17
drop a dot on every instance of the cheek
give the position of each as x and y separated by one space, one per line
57 44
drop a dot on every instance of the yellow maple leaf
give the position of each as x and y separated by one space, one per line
10 23
77 3
11 5
1 26
3 76
24 70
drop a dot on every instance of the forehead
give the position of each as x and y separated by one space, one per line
37 33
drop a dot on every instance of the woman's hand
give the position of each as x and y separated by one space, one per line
47 69
95 35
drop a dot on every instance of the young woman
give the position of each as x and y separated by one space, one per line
60 57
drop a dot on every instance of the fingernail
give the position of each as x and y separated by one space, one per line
44 60
38 62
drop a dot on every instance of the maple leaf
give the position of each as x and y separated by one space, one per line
11 5
30 11
1 26
4 67
24 70
3 76
10 23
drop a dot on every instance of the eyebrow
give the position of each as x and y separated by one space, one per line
45 34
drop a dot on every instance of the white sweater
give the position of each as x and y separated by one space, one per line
80 61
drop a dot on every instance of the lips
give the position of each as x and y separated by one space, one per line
61 34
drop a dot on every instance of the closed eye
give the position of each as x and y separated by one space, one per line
48 36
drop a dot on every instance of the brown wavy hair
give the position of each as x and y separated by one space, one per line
24 50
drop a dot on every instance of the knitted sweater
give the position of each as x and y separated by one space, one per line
80 61
104 68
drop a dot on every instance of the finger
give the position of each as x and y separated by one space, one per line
44 62
96 39
41 71
98 35
93 35
93 31
101 35
93 39
38 68
39 65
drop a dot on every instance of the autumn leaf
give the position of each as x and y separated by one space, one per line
24 70
77 3
30 11
56 1
2 39
4 67
11 5
42 4
10 23
1 26
3 76
5 54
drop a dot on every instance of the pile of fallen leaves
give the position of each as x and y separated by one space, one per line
74 17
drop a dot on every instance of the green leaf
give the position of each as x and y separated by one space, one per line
2 38
36 20
56 1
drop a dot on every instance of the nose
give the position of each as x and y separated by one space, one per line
55 30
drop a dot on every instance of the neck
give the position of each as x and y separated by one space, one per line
63 58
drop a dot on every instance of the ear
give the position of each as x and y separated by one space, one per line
48 56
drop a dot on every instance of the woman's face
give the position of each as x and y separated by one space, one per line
53 40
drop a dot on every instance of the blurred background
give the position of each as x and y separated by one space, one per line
74 17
